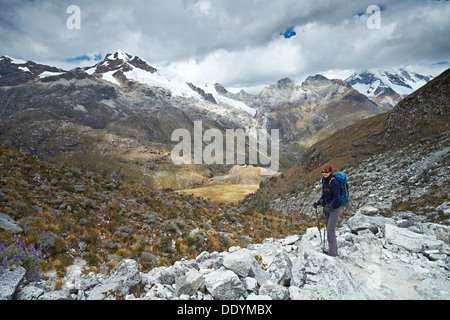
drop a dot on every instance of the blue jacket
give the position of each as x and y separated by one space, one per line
331 193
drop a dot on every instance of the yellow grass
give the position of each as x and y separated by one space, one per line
225 193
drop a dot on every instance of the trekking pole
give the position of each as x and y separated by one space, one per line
318 227
324 237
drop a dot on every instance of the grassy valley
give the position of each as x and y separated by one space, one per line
74 213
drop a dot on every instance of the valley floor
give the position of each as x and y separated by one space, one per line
222 192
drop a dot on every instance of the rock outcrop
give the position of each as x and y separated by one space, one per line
378 258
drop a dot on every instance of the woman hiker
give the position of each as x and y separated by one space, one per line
331 206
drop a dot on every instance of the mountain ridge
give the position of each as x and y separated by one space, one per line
124 97
14 72
387 87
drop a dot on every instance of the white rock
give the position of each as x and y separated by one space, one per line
274 291
224 284
244 264
124 276
10 279
411 241
189 282
319 270
290 240
250 284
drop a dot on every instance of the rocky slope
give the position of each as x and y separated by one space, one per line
379 259
76 214
404 183
393 239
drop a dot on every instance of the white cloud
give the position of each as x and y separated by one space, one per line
234 42
250 65
408 36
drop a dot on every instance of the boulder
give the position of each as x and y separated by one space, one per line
244 264
411 241
250 284
188 283
74 281
360 222
7 223
10 278
280 270
274 291
30 292
159 291
56 295
224 284
291 240
369 211
324 276
122 278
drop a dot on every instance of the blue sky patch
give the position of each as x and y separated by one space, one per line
439 63
289 33
97 57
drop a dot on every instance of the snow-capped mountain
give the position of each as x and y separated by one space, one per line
135 69
387 87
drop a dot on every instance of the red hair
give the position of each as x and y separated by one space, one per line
327 167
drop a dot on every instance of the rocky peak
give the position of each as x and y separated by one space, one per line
319 81
284 87
286 83
120 60
316 80
220 89
14 72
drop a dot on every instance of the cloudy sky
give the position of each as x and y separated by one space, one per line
238 43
